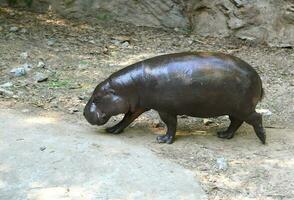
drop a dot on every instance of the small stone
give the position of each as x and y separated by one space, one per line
75 86
51 42
176 29
159 124
41 64
42 148
92 41
125 44
116 42
40 77
20 71
73 110
222 164
6 92
6 85
23 30
81 97
13 29
24 55
105 50
264 112
25 110
207 121
27 66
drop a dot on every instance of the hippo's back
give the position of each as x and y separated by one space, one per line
196 84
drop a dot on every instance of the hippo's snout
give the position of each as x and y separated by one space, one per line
94 116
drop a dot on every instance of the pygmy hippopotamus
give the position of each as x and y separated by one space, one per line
197 84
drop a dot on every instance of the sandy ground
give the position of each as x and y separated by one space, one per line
43 157
75 56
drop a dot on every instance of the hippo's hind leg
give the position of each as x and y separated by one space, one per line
230 132
127 120
171 122
255 119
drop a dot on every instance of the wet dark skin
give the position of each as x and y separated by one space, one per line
197 84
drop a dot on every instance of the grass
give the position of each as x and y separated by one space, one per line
58 83
104 15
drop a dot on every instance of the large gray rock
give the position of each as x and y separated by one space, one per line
167 13
259 20
264 21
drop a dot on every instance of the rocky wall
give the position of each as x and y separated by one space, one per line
262 21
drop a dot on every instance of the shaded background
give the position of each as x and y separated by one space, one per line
262 21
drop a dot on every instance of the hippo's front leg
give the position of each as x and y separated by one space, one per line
171 122
127 120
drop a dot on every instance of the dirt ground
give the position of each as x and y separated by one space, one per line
76 55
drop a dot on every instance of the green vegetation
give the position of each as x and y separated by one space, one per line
104 15
14 2
58 83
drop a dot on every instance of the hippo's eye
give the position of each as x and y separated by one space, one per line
97 100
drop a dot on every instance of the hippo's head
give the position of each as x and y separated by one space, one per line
104 103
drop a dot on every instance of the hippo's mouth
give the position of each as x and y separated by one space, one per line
102 119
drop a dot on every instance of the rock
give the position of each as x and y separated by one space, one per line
125 44
24 55
23 30
264 112
235 23
40 77
6 92
81 97
92 42
75 86
51 42
41 64
159 124
6 85
73 110
258 20
1 28
123 41
116 42
13 29
20 71
207 121
42 148
221 164
27 66
177 29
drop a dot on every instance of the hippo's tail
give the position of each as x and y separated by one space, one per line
262 94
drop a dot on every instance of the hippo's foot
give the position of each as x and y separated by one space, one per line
260 132
114 130
168 139
225 134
